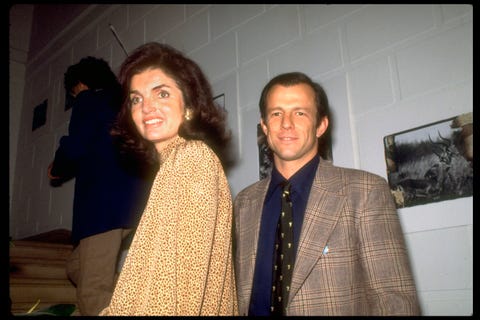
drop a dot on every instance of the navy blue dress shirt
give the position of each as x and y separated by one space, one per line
301 182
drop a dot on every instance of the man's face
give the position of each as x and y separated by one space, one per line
290 124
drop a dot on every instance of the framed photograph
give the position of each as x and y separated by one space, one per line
264 154
431 163
40 115
220 100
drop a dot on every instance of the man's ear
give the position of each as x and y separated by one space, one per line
322 127
264 127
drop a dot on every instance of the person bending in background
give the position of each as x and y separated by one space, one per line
180 260
345 243
109 195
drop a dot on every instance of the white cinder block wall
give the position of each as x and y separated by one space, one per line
386 68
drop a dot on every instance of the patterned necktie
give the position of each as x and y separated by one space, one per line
284 255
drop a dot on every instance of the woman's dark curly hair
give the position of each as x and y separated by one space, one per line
208 122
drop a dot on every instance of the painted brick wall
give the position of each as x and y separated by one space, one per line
386 68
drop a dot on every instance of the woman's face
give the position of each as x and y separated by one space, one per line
157 106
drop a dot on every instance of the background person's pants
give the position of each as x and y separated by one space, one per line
92 267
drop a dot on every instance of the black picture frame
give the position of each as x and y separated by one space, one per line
431 163
39 115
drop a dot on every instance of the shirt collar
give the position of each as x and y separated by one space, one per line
300 181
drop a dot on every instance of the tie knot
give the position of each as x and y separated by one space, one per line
286 187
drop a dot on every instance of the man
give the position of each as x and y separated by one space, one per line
109 196
349 254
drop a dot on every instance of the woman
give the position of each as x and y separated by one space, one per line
180 259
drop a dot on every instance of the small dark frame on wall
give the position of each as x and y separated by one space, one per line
220 100
39 115
265 156
431 163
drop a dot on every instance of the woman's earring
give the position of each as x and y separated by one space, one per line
188 114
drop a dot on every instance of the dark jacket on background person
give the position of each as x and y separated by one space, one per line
107 196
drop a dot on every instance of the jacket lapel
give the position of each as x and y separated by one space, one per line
324 206
250 231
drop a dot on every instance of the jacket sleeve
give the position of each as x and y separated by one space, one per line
384 255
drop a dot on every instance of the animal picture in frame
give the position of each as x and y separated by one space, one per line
431 163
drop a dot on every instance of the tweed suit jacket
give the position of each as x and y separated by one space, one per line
351 258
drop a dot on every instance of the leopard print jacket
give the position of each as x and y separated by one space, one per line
180 260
